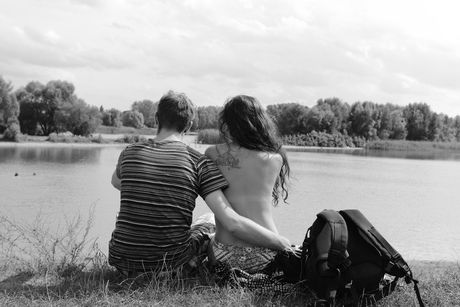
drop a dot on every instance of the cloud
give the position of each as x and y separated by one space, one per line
121 27
280 51
91 3
33 46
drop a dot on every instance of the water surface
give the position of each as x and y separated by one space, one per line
413 202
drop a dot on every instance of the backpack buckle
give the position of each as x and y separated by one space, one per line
337 260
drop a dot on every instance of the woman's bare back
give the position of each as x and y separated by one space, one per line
251 176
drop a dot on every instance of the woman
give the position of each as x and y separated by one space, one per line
257 170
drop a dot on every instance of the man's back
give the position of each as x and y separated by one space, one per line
160 182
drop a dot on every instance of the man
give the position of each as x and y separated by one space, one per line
159 180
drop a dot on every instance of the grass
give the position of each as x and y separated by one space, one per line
45 267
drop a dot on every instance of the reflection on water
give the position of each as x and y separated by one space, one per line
413 202
400 154
47 154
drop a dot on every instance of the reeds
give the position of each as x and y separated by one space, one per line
45 267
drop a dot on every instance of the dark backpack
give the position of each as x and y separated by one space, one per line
345 258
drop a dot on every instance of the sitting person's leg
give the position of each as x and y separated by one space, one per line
249 259
200 232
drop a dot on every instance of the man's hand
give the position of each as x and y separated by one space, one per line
242 227
285 242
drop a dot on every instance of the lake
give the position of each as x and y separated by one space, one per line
413 199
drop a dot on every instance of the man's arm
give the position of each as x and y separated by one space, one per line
243 227
116 182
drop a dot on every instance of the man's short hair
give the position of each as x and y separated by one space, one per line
175 111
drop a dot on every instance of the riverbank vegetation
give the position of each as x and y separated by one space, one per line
43 109
209 136
41 266
413 145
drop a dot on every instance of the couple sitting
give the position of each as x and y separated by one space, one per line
239 180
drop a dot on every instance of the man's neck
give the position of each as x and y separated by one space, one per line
168 135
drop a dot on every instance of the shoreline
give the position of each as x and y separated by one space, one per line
189 139
110 139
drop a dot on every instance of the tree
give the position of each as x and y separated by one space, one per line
290 118
78 117
443 128
320 118
41 102
456 124
133 119
397 125
418 117
208 117
148 109
9 111
112 118
341 112
364 120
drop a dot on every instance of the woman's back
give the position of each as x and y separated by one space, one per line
251 176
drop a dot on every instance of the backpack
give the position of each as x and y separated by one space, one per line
345 258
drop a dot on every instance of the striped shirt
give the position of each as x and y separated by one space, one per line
160 182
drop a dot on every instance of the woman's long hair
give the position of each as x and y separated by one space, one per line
244 121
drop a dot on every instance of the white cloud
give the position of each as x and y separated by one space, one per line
279 51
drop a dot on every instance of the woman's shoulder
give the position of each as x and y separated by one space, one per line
269 156
213 150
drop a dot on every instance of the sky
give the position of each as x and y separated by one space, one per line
116 52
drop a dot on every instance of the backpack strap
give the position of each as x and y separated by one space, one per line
396 266
337 257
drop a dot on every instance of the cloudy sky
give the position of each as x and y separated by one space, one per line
116 52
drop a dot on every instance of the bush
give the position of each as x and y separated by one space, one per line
323 139
12 133
209 136
134 138
98 139
55 138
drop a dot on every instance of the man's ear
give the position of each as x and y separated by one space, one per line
187 128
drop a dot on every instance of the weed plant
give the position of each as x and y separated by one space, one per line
41 267
44 250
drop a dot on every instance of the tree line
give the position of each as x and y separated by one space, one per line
41 109
365 121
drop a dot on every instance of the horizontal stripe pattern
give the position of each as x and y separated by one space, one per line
160 182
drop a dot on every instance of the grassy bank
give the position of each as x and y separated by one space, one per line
102 286
103 135
41 266
413 145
